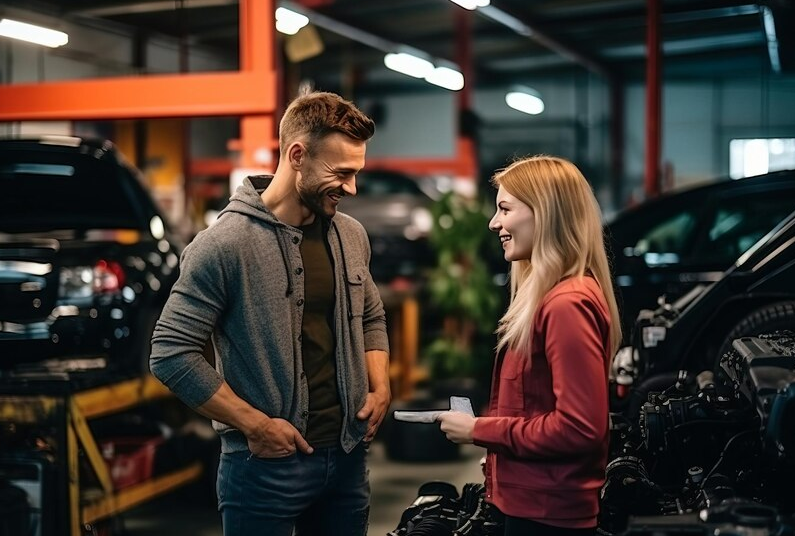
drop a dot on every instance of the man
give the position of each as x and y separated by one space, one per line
281 282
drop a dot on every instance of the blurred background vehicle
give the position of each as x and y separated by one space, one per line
756 295
86 259
672 243
396 212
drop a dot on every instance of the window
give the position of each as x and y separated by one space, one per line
740 222
750 157
665 242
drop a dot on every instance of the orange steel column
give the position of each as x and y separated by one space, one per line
248 92
258 137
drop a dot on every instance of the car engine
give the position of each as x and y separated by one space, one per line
710 453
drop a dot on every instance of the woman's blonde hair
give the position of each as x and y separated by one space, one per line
567 242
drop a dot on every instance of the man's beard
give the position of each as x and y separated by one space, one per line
320 203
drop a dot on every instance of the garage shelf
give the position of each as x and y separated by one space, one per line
56 410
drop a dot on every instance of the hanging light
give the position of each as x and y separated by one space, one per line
289 22
32 33
471 4
447 78
408 64
526 100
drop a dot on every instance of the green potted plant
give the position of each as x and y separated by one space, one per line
462 291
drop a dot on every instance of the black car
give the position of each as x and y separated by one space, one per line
756 295
396 213
671 244
86 258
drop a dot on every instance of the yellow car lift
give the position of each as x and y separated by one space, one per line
55 404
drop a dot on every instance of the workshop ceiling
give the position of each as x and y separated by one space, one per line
701 38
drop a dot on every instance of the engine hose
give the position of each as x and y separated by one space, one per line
640 394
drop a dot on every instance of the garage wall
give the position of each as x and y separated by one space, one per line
699 120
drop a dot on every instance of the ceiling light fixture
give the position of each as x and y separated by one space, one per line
772 40
408 64
525 100
401 58
32 33
471 4
447 78
289 22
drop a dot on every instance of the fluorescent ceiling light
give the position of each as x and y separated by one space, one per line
471 4
289 22
407 64
32 33
446 78
772 40
525 100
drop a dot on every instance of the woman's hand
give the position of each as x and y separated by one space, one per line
457 426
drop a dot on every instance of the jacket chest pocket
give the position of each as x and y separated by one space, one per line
511 392
355 278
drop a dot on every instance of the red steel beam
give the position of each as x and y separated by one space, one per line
653 100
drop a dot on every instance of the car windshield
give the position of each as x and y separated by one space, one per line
64 192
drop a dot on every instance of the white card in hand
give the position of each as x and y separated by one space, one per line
457 403
417 416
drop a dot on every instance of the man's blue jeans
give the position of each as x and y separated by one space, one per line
323 493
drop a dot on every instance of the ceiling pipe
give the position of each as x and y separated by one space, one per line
534 32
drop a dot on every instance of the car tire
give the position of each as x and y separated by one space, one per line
771 317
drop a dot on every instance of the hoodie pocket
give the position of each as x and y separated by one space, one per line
356 278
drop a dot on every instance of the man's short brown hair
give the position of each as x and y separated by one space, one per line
316 115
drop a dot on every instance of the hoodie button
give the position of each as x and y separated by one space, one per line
296 240
300 302
299 271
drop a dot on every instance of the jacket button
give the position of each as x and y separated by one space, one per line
299 271
300 302
296 240
304 413
303 374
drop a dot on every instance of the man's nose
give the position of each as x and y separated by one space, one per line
349 187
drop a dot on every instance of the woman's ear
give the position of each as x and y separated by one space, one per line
295 154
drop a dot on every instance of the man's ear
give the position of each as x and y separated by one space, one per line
296 153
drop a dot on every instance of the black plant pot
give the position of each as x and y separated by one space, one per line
417 442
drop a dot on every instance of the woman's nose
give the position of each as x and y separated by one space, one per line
494 225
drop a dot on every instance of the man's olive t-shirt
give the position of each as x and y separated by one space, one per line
317 338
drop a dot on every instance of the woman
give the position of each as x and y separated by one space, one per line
547 425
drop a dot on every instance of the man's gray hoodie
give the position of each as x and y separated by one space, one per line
241 282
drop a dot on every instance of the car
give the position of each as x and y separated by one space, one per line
395 211
86 258
669 245
755 295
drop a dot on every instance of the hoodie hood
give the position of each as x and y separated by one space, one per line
246 200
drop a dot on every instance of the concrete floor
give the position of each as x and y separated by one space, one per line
394 487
